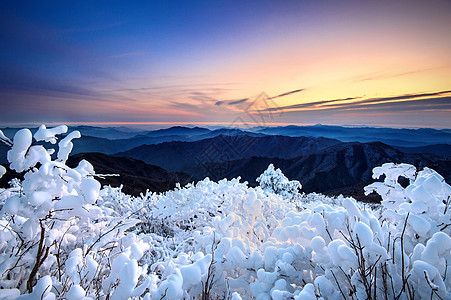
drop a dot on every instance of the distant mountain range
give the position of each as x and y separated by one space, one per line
110 140
182 155
390 136
178 131
328 159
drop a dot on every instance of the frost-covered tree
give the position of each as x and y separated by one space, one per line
274 181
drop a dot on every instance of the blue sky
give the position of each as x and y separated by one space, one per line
378 63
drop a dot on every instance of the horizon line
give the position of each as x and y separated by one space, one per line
225 124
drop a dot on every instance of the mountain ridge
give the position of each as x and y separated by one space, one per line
178 155
341 169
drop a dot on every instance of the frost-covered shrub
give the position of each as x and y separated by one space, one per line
325 250
61 236
274 181
426 200
56 240
391 191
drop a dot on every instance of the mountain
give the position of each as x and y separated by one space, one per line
228 131
108 141
181 134
391 136
175 156
135 176
177 131
321 165
111 133
107 146
122 133
343 168
439 149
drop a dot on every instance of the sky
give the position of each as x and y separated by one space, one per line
236 63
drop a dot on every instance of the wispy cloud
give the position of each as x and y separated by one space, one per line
393 99
202 97
307 105
353 103
287 93
231 102
441 103
181 87
98 27
244 100
29 85
126 54
379 76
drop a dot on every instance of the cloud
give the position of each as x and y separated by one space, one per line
413 112
202 97
442 103
213 87
101 27
388 75
126 54
349 103
20 82
244 100
287 93
27 86
393 99
307 105
231 102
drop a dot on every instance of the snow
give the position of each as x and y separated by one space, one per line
9 294
236 296
307 293
75 292
90 189
66 145
318 243
363 233
5 139
42 290
273 181
49 135
223 238
428 278
2 171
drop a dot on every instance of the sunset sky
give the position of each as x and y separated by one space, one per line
226 62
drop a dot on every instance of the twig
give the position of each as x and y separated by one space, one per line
208 285
102 235
59 252
404 279
164 295
338 284
41 256
433 287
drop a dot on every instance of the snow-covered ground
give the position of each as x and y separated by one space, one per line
62 236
